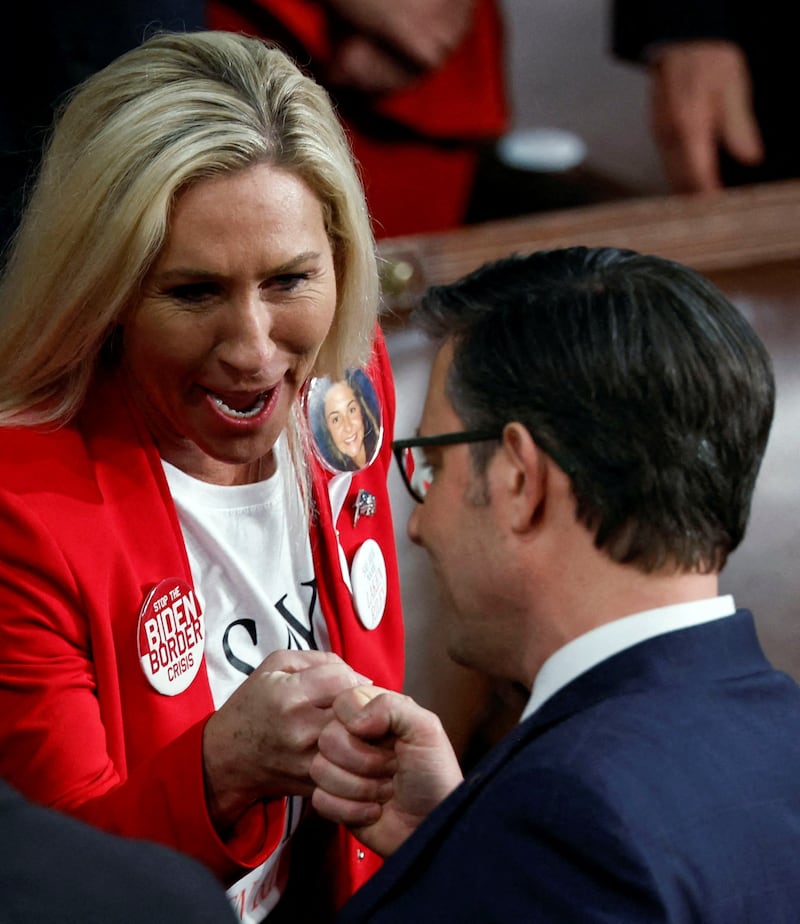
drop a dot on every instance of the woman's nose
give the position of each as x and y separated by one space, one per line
246 344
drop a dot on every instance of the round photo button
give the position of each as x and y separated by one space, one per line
345 420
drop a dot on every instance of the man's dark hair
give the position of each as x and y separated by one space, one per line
635 373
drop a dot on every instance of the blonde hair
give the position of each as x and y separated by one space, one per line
179 108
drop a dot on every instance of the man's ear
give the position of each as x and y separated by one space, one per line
524 478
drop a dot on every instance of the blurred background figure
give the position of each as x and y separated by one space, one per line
459 111
719 72
420 85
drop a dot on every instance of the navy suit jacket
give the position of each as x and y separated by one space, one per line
55 868
661 785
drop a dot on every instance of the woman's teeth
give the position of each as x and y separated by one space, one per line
244 413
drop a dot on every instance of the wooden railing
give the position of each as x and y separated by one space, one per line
731 229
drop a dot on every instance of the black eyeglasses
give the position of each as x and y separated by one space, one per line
414 468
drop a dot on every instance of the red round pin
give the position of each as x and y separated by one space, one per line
171 636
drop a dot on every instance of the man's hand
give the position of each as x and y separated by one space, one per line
702 101
383 765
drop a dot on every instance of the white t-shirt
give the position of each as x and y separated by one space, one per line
253 573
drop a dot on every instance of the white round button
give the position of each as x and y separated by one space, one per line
368 578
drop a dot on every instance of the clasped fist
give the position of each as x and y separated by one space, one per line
383 764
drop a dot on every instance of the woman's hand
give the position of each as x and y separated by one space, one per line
260 743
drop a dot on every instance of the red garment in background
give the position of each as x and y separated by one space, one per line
417 147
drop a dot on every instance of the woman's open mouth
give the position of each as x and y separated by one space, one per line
243 406
243 412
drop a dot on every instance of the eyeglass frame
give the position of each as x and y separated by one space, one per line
442 439
561 459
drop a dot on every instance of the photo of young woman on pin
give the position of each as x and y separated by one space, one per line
345 420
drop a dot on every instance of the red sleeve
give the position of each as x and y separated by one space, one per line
80 729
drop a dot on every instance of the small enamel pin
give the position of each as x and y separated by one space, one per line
364 505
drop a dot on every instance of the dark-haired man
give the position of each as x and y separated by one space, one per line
587 453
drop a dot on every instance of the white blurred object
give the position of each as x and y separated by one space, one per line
543 150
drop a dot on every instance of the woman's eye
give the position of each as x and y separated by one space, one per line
289 281
193 293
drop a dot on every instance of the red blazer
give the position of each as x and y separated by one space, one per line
87 528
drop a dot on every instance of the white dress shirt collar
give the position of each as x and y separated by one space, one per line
589 649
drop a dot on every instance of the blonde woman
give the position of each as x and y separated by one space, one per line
183 588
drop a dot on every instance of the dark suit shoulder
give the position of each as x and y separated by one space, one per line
57 868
